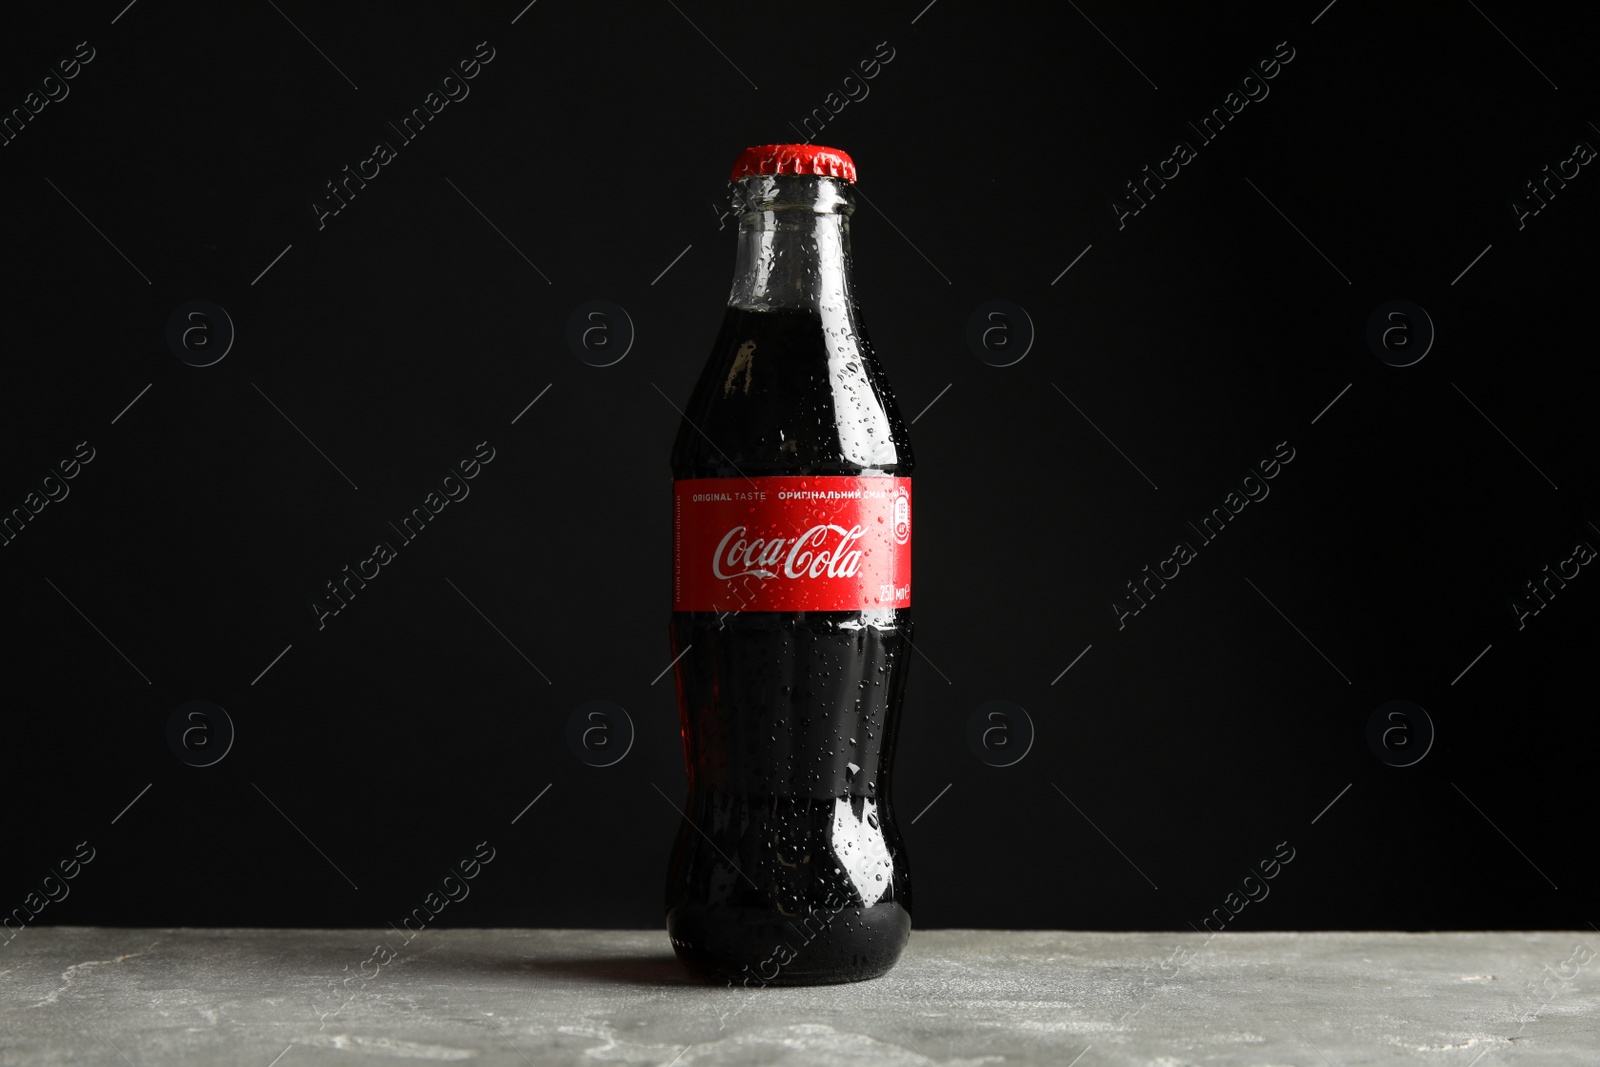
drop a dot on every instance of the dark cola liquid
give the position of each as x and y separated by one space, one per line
789 868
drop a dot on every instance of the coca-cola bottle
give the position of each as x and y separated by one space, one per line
791 622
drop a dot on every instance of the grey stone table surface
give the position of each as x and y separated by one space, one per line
295 998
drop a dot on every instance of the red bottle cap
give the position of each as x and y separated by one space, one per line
794 159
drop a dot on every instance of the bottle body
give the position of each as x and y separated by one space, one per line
792 621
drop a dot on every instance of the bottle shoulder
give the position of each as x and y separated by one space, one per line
792 391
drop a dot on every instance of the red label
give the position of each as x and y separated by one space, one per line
791 544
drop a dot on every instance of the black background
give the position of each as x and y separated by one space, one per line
379 750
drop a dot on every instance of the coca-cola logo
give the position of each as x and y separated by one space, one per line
825 549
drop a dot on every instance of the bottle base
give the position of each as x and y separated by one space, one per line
759 947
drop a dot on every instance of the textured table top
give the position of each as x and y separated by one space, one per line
293 998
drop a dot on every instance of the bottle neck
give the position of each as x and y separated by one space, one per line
794 244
